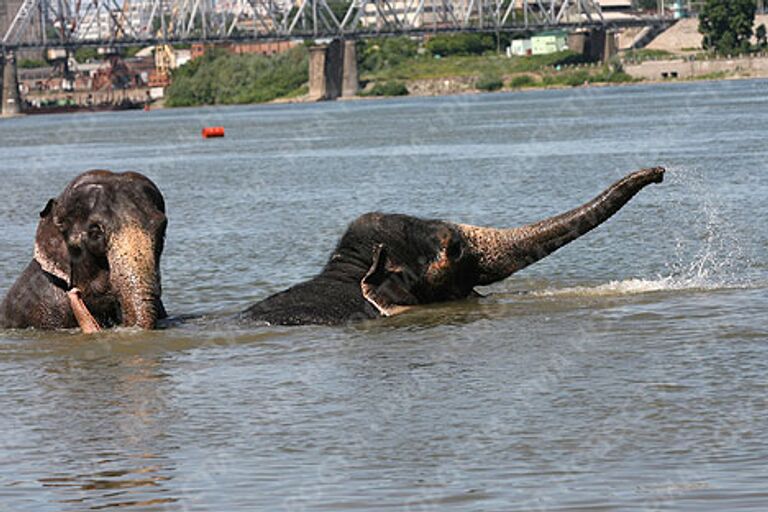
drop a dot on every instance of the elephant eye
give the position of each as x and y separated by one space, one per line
60 224
95 232
454 250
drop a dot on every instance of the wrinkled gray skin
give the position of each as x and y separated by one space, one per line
103 235
386 263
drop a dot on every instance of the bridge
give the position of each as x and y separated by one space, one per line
70 24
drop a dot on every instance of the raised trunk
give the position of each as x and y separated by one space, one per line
135 277
501 252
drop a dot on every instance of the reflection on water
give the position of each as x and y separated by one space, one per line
626 371
114 410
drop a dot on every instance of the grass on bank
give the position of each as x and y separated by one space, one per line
448 55
427 66
390 88
396 60
644 54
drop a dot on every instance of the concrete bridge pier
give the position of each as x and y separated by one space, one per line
350 79
11 102
596 44
332 70
610 47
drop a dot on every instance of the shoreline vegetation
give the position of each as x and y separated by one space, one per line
395 66
400 66
222 78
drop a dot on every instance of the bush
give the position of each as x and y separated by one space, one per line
489 81
32 64
582 76
522 81
612 77
377 54
644 54
391 88
460 44
86 53
570 58
223 78
576 78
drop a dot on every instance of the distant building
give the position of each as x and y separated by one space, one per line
100 23
520 47
549 42
433 13
261 48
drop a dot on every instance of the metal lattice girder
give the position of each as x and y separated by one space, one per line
20 22
76 22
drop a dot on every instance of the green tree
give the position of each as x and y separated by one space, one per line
762 36
727 24
220 78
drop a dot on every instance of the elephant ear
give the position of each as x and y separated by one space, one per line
50 247
386 284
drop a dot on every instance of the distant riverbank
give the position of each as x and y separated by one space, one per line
464 64
392 68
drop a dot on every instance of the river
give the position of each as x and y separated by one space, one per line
628 371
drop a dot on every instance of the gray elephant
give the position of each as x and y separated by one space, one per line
97 258
385 264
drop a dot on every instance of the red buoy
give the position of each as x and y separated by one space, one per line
213 131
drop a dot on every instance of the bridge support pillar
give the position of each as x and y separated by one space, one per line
609 47
325 70
332 70
11 104
597 44
350 79
577 42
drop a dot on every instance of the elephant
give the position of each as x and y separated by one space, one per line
385 264
96 258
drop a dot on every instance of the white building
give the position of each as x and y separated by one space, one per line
520 47
433 13
132 19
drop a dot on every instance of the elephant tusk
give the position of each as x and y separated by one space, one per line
87 323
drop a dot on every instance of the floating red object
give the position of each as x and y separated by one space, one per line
213 131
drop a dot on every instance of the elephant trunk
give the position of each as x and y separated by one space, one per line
134 276
501 252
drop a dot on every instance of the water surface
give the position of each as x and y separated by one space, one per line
625 372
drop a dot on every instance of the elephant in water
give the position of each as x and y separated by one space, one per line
385 263
97 258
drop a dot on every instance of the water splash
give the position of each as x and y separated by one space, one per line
637 286
708 254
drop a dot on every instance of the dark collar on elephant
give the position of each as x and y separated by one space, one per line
52 272
56 281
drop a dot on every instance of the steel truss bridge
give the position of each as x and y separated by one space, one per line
115 23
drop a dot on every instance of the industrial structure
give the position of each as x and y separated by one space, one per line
130 22
65 25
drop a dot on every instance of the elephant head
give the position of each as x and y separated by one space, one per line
104 235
